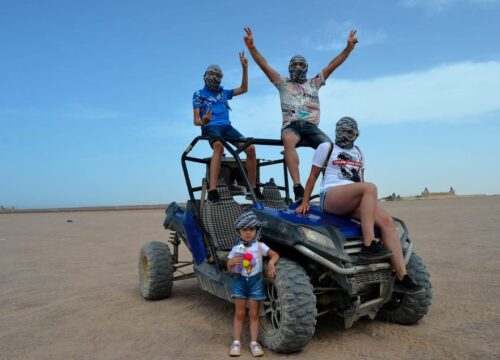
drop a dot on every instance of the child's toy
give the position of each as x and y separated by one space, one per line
240 250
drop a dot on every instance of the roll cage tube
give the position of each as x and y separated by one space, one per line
246 142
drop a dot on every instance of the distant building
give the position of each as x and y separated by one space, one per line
426 193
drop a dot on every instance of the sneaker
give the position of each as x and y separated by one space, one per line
235 349
256 349
374 252
213 195
298 191
407 286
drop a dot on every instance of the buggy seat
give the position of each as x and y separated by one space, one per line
218 220
271 196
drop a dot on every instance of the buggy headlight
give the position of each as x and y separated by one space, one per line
317 237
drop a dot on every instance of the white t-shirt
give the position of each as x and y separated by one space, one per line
254 251
344 166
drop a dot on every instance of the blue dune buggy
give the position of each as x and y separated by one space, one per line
319 271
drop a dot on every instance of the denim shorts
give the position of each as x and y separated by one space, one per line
251 288
308 133
322 196
223 131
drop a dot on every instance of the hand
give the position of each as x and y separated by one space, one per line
303 208
243 60
207 117
271 271
237 260
352 40
248 38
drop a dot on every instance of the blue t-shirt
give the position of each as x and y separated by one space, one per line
205 99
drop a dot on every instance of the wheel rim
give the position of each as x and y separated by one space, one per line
396 301
270 317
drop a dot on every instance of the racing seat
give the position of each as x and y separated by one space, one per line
272 197
218 220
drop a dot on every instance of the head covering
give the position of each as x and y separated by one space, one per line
212 82
246 220
298 73
346 132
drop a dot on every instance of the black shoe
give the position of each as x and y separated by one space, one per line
374 252
407 286
213 195
298 191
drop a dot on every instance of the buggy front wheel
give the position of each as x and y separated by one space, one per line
408 309
288 315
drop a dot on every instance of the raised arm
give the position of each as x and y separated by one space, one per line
259 59
340 58
311 181
244 77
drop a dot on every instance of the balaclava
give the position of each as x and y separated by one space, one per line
211 81
346 132
246 220
298 73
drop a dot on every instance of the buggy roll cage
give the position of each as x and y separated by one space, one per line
226 142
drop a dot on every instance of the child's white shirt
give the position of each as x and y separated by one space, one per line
254 250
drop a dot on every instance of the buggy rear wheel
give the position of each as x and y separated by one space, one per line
288 315
156 271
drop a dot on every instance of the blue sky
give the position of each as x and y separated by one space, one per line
96 96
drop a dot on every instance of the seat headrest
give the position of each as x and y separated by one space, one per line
223 190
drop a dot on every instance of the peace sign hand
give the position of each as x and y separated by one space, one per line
352 40
248 38
207 117
243 60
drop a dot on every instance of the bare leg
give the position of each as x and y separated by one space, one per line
254 319
357 197
290 140
215 164
391 241
239 317
360 201
251 165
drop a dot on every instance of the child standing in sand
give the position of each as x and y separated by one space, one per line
245 261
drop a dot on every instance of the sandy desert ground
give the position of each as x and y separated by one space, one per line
68 290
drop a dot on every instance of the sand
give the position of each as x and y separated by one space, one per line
68 290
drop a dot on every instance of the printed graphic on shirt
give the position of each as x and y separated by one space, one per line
251 264
349 167
208 102
300 101
217 102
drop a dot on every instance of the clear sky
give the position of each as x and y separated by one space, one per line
96 96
